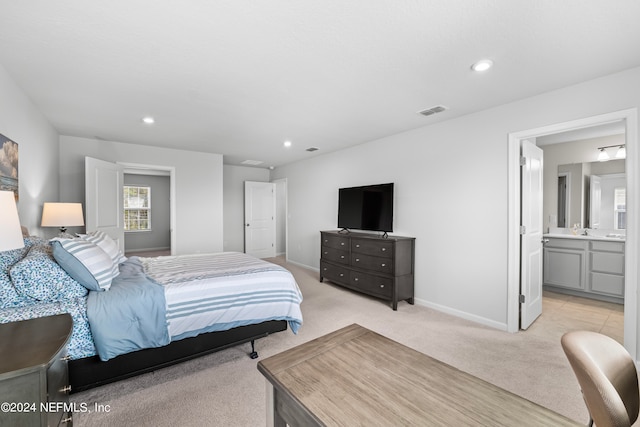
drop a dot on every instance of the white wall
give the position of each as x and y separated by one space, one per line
37 141
198 183
451 184
234 178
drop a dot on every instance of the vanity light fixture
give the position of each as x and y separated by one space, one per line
603 156
148 120
287 144
482 65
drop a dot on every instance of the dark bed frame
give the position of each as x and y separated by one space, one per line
92 372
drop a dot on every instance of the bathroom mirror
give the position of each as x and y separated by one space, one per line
592 195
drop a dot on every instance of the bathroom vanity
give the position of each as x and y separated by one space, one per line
587 266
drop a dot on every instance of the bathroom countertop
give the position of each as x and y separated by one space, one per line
622 238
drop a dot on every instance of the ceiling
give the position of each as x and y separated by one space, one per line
239 77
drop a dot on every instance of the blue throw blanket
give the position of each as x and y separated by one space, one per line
130 316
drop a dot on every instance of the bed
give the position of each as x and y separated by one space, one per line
135 315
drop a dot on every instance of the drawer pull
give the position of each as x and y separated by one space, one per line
357 259
356 279
324 269
383 265
384 249
341 274
65 389
65 358
342 244
382 286
357 246
341 256
66 420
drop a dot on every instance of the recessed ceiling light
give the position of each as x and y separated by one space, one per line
148 120
482 65
287 144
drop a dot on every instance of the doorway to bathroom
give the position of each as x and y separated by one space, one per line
516 261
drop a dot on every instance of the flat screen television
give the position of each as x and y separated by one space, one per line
366 208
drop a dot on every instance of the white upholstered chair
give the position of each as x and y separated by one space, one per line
607 375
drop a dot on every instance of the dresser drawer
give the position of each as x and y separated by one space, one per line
373 263
57 386
369 283
336 242
335 255
372 247
334 272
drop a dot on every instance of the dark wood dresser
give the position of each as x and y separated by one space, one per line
379 266
34 380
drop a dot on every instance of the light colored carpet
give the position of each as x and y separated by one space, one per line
225 388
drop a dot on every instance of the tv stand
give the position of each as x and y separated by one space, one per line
380 266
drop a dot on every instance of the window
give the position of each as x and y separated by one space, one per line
620 209
137 208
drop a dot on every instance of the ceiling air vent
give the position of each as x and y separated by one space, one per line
252 162
312 149
433 110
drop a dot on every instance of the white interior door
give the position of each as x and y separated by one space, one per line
103 198
595 198
259 219
531 235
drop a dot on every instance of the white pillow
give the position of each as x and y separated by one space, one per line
105 243
89 265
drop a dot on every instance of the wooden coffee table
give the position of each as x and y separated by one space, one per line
355 376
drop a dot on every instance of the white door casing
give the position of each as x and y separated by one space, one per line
630 118
259 219
104 198
531 235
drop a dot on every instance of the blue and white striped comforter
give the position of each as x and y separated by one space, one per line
214 292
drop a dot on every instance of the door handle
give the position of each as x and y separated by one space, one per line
247 225
545 241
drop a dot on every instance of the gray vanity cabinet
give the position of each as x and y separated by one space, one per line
564 263
606 268
585 267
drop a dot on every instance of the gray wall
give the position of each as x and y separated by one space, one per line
37 141
159 237
198 185
234 178
451 192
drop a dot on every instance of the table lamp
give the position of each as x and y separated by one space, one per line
62 215
10 231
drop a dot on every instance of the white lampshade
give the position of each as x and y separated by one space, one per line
62 215
10 231
622 152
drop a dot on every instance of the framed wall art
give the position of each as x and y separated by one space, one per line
8 165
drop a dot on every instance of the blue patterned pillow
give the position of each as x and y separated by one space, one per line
92 267
9 297
38 276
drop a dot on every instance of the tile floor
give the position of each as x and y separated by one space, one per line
562 313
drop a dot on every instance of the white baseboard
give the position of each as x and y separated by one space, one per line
462 314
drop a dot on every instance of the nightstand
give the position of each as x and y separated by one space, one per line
34 380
